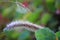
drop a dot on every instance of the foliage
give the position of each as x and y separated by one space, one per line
11 10
45 34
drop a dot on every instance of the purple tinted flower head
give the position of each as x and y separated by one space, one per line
24 24
58 12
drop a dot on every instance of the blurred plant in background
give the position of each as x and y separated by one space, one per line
45 13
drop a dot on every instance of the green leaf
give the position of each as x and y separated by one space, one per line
37 3
34 16
58 35
8 11
24 35
57 4
45 18
11 34
15 35
50 5
45 34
